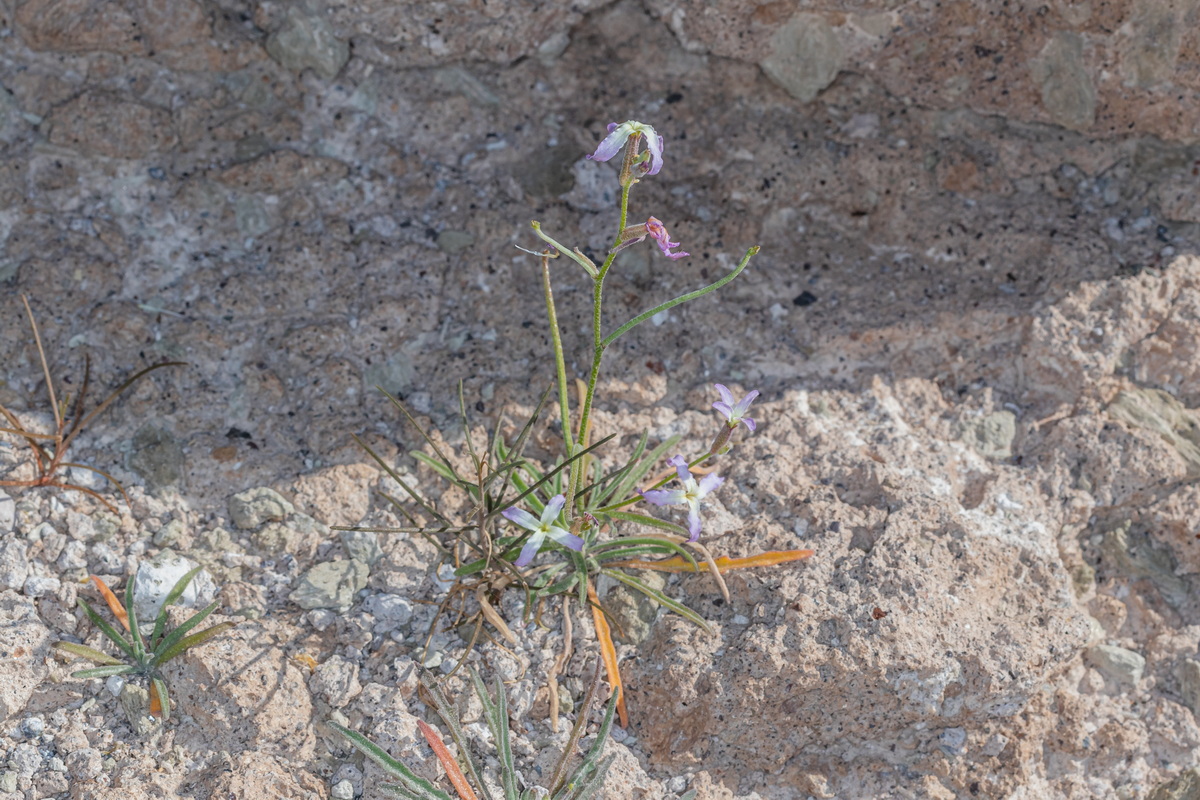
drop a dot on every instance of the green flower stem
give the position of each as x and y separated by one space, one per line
598 347
640 318
574 255
560 363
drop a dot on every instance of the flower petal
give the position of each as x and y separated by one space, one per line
694 522
521 517
530 549
553 508
681 467
709 482
726 395
749 423
724 408
612 143
566 538
744 404
654 143
664 497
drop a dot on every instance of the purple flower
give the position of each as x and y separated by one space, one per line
653 228
619 134
541 529
658 232
691 493
735 413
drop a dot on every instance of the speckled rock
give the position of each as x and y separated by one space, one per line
158 575
253 507
332 584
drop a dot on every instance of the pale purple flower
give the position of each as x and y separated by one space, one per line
658 232
735 413
619 134
541 529
691 493
653 228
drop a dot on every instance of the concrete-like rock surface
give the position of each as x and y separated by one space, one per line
974 321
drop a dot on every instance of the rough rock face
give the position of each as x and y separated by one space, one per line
953 594
974 319
1103 69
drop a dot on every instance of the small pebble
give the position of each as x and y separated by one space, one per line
342 790
39 587
33 726
114 685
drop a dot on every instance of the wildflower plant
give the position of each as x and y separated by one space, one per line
144 655
50 449
581 783
583 519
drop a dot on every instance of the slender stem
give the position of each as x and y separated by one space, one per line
712 287
560 363
598 346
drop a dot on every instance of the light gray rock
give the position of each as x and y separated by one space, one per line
33 726
332 584
253 507
391 611
336 681
395 374
8 511
80 527
342 790
25 759
1068 94
306 41
992 435
1117 664
72 557
1134 555
157 456
363 545
806 56
1185 786
156 577
84 764
1189 684
40 586
14 564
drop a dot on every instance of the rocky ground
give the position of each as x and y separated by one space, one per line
974 322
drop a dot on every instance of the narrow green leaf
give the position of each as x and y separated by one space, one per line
607 484
107 629
172 596
160 688
558 469
403 483
412 783
446 710
172 638
90 653
627 485
712 287
191 641
135 635
649 521
104 672
605 551
659 597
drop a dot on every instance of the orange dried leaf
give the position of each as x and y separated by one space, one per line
114 604
306 660
724 563
155 701
608 652
453 772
